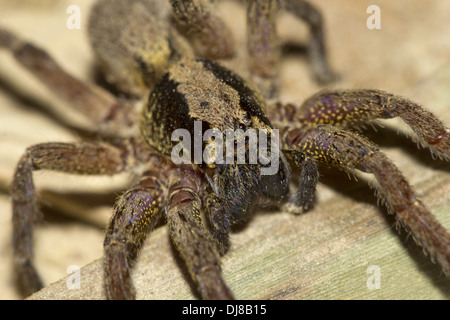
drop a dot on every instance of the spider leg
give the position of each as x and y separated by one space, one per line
304 198
349 151
80 158
198 18
189 235
317 49
263 44
137 212
355 107
219 220
96 104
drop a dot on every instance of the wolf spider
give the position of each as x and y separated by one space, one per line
139 45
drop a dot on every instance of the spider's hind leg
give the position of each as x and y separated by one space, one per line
96 104
317 47
198 19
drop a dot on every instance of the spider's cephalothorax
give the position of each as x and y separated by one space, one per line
195 90
142 52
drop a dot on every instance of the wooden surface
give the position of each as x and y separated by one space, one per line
324 254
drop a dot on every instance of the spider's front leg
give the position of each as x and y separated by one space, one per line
80 158
189 235
304 199
136 213
349 151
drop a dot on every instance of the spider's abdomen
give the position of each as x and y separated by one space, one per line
135 48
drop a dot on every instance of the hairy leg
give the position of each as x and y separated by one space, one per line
304 198
348 108
96 104
264 45
197 19
81 158
349 151
219 220
317 48
136 213
191 238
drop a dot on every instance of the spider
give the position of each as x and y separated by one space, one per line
144 55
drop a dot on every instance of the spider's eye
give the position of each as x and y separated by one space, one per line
246 122
242 126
